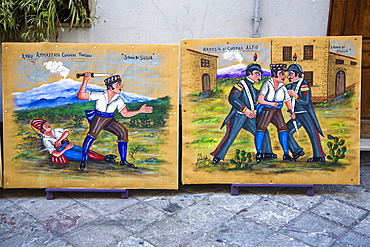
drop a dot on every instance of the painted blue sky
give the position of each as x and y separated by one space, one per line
346 48
141 73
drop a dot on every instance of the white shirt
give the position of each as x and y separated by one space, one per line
268 90
102 104
50 141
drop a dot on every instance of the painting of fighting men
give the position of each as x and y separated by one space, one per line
90 115
271 110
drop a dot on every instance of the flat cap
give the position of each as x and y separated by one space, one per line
278 66
112 79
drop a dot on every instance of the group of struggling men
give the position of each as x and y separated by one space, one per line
102 117
253 110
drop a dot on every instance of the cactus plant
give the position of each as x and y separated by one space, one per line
242 159
336 147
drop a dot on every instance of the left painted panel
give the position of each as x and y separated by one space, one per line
45 125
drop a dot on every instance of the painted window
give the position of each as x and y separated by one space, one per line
204 62
308 76
308 52
287 53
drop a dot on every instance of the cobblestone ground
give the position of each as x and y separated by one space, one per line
196 215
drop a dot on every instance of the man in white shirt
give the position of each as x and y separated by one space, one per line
102 117
60 148
273 94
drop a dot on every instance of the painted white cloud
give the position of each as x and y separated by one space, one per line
231 55
56 67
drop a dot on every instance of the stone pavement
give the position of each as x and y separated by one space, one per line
195 215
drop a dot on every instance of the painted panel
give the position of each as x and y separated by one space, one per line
131 96
281 110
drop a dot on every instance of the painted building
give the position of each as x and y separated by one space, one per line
342 74
203 67
312 54
329 74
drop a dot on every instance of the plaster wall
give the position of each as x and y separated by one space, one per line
169 21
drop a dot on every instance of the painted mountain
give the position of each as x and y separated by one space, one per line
236 71
62 92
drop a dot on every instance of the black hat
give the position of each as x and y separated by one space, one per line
113 79
278 66
253 66
296 68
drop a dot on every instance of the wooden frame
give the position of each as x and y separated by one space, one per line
335 99
39 83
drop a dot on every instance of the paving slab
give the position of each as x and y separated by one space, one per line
363 227
171 202
339 212
209 239
353 239
107 205
41 207
204 215
97 233
313 230
296 199
69 218
13 218
170 232
354 195
4 203
35 238
270 212
243 232
18 228
138 216
281 240
132 242
234 204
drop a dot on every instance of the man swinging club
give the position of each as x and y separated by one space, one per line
102 117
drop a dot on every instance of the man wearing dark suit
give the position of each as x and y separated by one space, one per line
242 98
305 116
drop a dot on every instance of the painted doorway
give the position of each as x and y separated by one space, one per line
206 83
340 83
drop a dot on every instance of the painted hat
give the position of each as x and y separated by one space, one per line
113 79
37 123
296 68
278 66
253 66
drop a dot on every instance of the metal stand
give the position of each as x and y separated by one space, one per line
235 190
50 192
